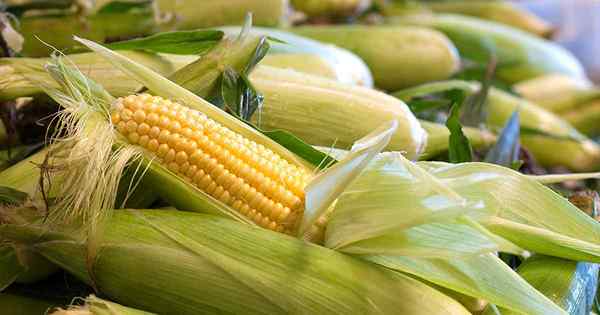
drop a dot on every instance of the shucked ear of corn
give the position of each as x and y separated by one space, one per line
210 265
398 56
545 129
521 56
199 150
327 113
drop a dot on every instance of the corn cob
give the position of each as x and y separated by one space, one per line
497 11
416 56
570 284
246 176
335 8
198 273
557 93
521 56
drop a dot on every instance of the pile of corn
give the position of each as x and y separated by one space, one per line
168 157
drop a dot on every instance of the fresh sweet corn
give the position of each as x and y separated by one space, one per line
242 174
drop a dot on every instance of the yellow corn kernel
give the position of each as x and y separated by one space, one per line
246 176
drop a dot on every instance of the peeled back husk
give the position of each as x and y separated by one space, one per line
209 264
398 56
570 284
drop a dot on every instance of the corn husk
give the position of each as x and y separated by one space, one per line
97 306
521 56
571 285
209 264
305 63
327 113
557 93
497 11
399 215
398 56
105 21
348 67
56 28
331 8
544 129
20 305
585 117
438 135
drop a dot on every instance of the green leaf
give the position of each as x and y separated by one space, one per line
180 42
300 148
474 112
11 196
459 149
239 95
506 150
420 105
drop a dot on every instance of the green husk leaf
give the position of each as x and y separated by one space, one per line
394 206
570 284
484 276
559 178
526 212
459 149
203 259
195 42
11 196
301 148
323 190
10 266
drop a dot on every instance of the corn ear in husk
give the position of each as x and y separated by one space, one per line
557 93
541 129
571 285
210 264
331 8
498 11
417 55
327 113
438 135
520 55
349 68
